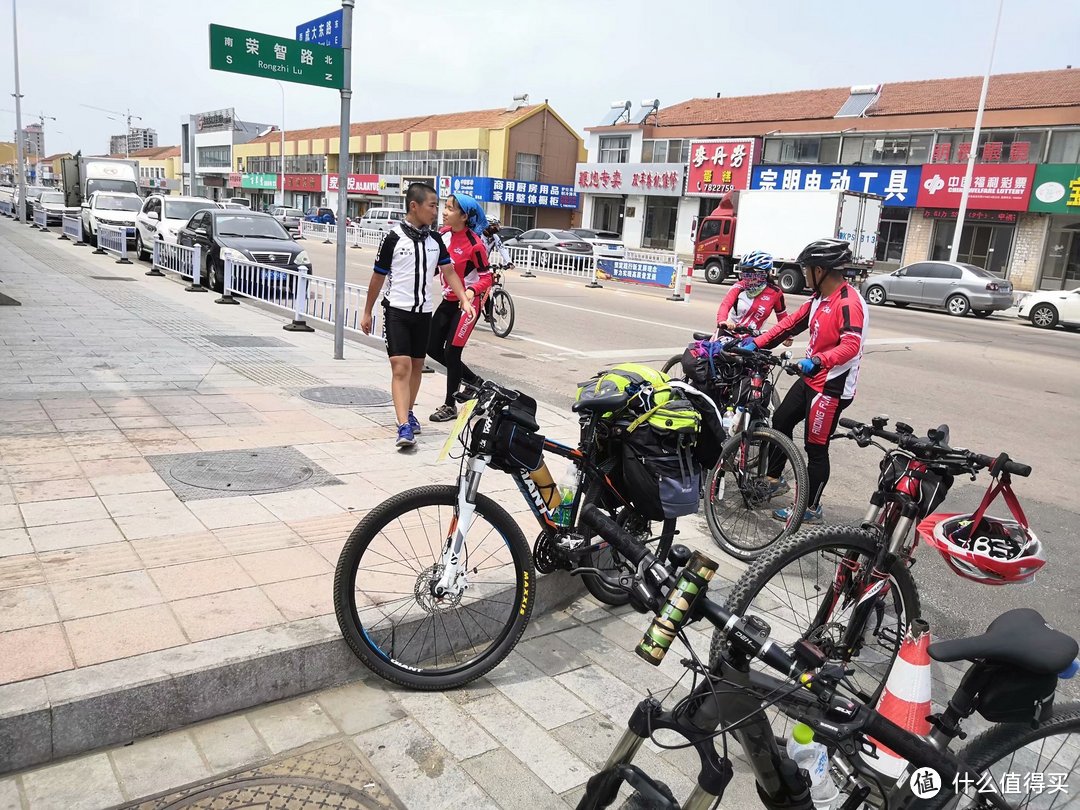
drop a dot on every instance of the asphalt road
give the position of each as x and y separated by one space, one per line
999 383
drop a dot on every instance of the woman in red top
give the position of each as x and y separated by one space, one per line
754 297
450 328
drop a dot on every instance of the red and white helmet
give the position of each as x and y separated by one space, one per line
996 551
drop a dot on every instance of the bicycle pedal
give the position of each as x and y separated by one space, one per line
570 542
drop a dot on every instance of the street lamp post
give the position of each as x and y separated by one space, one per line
973 153
281 174
19 135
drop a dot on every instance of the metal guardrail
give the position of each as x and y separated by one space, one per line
71 229
7 208
41 219
546 261
653 256
182 260
313 230
113 239
358 237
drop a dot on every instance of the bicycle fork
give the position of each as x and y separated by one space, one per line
453 580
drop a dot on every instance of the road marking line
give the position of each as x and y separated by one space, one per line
605 314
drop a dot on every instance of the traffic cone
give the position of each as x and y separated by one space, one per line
906 699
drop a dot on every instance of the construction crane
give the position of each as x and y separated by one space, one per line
125 116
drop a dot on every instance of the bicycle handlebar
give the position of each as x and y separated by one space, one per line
937 449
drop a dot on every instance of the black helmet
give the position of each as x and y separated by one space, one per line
828 253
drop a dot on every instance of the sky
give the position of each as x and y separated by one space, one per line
152 56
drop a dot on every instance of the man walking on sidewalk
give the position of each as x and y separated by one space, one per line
410 257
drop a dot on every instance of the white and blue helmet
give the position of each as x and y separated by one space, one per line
754 270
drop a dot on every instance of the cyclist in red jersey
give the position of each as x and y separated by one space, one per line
450 329
837 318
754 296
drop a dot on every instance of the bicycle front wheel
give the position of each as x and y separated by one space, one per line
384 599
1029 766
673 367
502 312
794 588
741 499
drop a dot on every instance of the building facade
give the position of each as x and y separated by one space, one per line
139 139
160 170
909 142
482 152
34 143
217 134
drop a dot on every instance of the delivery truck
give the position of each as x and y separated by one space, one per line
783 223
82 176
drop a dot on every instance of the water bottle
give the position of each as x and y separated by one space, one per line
568 485
728 419
813 757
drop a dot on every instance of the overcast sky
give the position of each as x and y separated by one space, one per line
153 55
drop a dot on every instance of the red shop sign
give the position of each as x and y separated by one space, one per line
234 179
993 187
357 183
971 216
717 167
303 182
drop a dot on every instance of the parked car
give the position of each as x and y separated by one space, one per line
162 217
957 287
509 232
32 195
54 206
565 243
323 215
1049 308
233 206
246 236
606 244
381 219
243 202
289 217
109 208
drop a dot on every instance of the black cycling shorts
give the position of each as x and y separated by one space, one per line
406 333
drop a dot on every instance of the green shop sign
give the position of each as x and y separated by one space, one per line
261 181
288 60
1057 189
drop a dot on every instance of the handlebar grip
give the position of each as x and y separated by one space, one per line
1010 466
850 424
613 533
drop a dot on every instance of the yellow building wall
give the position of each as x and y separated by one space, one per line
356 144
395 142
461 139
420 141
374 143
498 142
8 152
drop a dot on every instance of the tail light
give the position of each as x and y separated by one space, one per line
573 245
993 286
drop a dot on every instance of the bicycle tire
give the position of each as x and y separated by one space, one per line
501 326
727 536
358 637
999 741
673 363
817 541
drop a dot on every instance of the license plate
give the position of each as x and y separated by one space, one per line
459 425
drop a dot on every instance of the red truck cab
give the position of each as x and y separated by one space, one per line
713 242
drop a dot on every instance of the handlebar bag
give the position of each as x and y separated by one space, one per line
933 486
517 444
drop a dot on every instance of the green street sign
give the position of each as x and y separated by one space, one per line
1057 189
254 54
258 180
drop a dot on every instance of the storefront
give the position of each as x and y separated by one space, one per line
260 189
640 201
158 185
366 191
998 195
303 190
524 204
1057 194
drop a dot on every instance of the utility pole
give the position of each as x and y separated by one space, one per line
19 135
343 178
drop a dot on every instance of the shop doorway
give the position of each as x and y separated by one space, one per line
1061 264
661 214
608 214
982 244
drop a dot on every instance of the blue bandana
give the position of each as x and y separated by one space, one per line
475 218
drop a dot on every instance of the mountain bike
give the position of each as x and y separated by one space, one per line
730 697
436 585
499 305
849 590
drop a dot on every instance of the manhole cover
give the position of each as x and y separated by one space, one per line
347 395
332 777
246 342
112 278
193 476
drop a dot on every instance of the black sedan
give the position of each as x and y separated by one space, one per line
244 236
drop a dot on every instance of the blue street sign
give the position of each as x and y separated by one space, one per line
325 30
899 185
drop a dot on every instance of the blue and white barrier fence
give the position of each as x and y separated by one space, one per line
7 208
71 228
184 261
113 239
41 219
315 230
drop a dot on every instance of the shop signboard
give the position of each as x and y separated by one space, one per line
651 179
646 273
355 183
515 192
1007 217
303 182
719 166
898 186
1057 189
259 180
235 179
214 121
994 187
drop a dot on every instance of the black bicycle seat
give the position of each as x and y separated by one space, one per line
1019 638
702 335
611 402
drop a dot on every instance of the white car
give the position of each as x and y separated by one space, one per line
162 216
109 208
605 244
1049 308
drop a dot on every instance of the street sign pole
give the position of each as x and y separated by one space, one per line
343 176
19 134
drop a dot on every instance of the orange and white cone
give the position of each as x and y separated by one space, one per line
906 699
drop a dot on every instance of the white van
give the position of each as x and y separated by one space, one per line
381 219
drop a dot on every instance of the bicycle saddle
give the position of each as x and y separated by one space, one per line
702 335
1019 638
611 402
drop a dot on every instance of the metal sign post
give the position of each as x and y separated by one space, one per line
343 179
19 134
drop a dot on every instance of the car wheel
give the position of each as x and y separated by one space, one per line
957 305
86 234
983 313
140 248
215 280
714 272
875 295
1044 316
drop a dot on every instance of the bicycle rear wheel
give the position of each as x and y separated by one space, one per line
793 587
673 367
383 595
501 307
607 559
740 498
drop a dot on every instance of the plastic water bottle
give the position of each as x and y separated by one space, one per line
568 485
728 419
813 757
